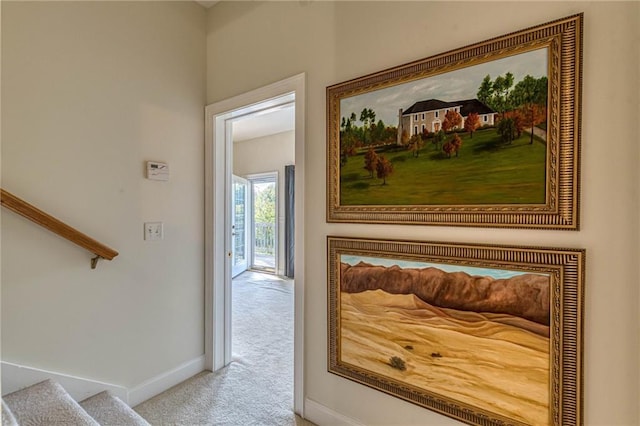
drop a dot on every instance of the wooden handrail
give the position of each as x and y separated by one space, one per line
54 225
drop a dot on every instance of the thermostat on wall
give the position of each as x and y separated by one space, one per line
157 171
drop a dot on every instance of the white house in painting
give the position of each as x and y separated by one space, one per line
428 115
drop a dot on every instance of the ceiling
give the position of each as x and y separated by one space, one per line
270 122
206 3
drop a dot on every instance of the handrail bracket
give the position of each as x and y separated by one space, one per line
94 261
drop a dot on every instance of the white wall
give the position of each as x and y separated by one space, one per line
268 154
334 42
90 91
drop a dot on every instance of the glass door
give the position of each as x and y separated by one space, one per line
239 226
264 223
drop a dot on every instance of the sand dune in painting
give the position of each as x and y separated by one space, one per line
495 362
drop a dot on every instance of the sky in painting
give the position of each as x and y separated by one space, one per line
451 86
483 272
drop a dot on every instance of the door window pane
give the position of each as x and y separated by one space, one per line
239 210
264 224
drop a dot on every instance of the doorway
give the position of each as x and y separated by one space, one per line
218 213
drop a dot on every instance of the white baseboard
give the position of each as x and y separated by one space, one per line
321 415
16 377
164 381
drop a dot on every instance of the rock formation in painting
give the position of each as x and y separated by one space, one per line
525 296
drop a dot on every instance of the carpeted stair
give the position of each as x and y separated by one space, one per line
109 410
47 403
7 416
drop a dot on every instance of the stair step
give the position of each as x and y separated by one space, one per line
109 410
7 416
47 403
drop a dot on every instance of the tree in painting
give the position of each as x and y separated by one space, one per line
472 123
384 168
530 95
485 91
368 118
438 138
452 119
415 144
500 101
510 126
452 146
533 115
371 160
348 138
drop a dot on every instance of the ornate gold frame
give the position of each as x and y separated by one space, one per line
565 267
561 208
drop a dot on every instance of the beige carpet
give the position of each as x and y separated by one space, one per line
257 387
46 403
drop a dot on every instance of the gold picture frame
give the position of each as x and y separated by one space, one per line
486 334
507 156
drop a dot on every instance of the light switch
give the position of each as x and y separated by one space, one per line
153 231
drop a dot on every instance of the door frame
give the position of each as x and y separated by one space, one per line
218 168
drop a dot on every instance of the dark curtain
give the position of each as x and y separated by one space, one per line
289 222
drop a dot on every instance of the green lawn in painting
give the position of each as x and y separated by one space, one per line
486 171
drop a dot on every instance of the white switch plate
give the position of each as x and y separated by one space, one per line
153 231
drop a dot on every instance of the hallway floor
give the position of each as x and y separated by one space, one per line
257 387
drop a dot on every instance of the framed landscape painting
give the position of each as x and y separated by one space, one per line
489 335
485 135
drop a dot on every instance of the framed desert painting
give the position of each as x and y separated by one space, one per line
489 335
485 135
